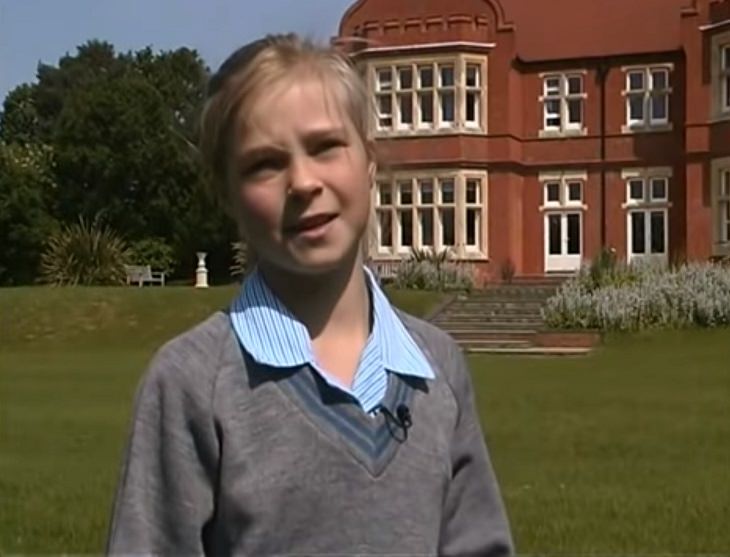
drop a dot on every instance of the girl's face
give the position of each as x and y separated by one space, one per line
301 176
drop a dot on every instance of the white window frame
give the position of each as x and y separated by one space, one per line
460 206
387 124
647 204
648 199
563 183
477 92
648 93
720 172
725 78
723 207
562 95
564 207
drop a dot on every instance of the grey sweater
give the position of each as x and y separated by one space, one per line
226 457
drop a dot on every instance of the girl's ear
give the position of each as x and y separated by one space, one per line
372 165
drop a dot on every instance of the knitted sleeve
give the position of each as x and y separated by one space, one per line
474 520
165 496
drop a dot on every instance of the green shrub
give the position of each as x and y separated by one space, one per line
84 254
427 275
155 253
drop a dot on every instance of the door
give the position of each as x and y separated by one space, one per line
563 241
648 236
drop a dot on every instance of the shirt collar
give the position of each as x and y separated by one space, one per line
274 337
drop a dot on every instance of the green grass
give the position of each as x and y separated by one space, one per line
626 451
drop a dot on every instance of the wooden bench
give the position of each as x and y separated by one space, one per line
141 274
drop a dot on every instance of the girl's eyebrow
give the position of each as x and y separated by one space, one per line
258 152
310 137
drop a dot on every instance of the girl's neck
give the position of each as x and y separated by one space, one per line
336 302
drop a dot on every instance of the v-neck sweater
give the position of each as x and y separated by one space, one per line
225 457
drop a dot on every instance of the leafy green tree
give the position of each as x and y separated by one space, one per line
123 129
26 186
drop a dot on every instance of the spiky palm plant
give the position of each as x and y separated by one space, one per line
84 253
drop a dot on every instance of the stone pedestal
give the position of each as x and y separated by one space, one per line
201 273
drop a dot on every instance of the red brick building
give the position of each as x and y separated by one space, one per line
532 133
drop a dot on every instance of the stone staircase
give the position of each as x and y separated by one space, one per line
501 319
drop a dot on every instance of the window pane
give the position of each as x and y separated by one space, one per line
405 78
638 237
406 228
552 86
406 108
406 193
447 106
385 111
472 191
448 231
636 108
575 85
472 106
657 232
425 74
573 234
426 221
659 79
725 184
575 191
727 92
555 232
426 192
385 79
552 192
425 100
447 76
385 222
447 191
659 189
575 111
659 107
472 227
552 114
726 58
636 190
385 194
636 81
472 75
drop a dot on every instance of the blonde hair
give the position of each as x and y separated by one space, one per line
257 66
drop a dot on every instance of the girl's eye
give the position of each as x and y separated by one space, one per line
260 167
327 146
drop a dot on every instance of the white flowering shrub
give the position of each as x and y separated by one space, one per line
694 295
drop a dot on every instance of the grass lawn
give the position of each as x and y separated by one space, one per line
625 451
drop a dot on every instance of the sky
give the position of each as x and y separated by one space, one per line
33 31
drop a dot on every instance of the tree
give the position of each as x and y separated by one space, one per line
19 121
26 185
122 128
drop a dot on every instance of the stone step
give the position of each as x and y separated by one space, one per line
493 334
516 296
486 321
496 304
482 344
460 313
531 351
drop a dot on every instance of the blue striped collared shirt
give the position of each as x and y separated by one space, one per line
274 337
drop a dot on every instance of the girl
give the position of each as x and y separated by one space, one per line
311 418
